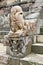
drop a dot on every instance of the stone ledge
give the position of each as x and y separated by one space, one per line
36 59
37 48
37 44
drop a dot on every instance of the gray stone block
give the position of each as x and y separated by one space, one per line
37 48
14 61
32 59
20 47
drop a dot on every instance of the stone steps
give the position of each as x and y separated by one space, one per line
32 59
37 48
36 57
38 38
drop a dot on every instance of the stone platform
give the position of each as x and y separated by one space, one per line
32 59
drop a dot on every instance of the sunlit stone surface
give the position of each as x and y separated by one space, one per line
32 59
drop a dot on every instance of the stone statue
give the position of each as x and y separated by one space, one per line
18 28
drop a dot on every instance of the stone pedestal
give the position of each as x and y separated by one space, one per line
19 47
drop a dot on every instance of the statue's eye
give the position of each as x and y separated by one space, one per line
21 13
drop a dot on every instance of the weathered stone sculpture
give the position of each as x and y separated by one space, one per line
18 39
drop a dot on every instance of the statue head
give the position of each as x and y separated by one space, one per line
15 16
17 13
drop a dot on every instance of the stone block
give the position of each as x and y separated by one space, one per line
32 59
3 59
38 38
20 47
14 61
37 48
